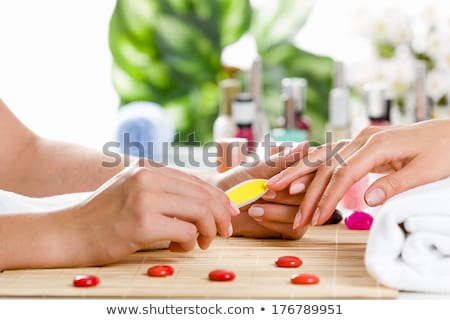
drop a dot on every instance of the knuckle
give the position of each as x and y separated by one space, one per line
139 177
222 197
393 183
381 139
139 202
343 173
190 232
205 193
325 170
367 132
204 209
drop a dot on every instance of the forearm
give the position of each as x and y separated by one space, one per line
49 167
38 241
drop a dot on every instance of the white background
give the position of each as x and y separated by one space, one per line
55 67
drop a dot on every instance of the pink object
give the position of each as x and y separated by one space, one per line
354 198
302 123
359 220
246 132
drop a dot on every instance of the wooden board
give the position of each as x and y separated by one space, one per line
332 252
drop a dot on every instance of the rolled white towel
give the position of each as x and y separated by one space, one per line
409 243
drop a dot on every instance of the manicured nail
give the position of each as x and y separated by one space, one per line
270 195
230 230
274 179
234 208
375 197
316 217
297 219
296 187
255 211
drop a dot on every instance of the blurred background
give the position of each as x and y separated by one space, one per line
68 67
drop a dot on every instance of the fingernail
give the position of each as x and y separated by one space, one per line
230 230
235 209
375 197
316 217
270 195
273 180
297 219
296 187
255 211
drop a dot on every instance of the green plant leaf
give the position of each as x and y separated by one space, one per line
277 22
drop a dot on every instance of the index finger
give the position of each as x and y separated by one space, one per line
361 163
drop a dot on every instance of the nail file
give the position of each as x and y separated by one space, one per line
247 192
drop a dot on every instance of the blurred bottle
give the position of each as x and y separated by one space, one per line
289 132
224 126
422 101
339 77
244 110
378 103
339 121
294 89
261 125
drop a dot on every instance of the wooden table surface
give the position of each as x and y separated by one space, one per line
333 252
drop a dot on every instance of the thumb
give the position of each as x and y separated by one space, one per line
392 184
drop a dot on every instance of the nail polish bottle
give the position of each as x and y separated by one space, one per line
339 122
289 132
294 90
378 103
224 126
261 125
339 77
423 106
244 110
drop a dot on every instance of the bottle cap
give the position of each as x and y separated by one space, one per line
255 81
289 112
295 90
339 79
338 109
244 109
376 95
423 109
229 88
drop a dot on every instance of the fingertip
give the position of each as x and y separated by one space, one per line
269 195
230 230
176 247
296 187
297 220
316 217
375 197
273 181
234 209
203 242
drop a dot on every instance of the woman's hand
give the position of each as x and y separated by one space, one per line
409 156
146 205
273 215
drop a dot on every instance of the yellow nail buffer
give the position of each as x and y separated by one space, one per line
247 191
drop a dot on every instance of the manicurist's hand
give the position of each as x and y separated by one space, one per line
273 215
143 206
408 156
